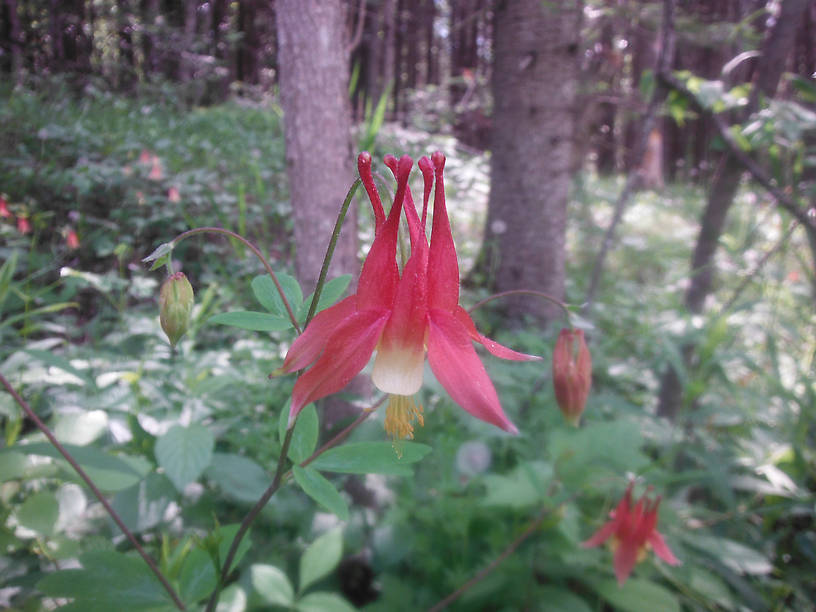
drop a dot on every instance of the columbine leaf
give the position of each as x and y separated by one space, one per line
184 453
321 557
253 321
316 486
371 458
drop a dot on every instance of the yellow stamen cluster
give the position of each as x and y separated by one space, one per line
400 415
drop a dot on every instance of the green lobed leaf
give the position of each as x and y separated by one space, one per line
12 465
252 321
272 585
323 602
637 595
239 477
142 506
371 458
304 438
59 362
39 513
184 453
108 581
109 472
267 293
316 486
321 557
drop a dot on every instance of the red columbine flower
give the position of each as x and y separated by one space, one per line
72 239
23 225
401 317
633 532
572 373
5 213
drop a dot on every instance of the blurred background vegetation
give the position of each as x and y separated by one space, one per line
126 123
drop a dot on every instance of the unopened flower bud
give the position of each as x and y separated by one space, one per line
175 306
572 373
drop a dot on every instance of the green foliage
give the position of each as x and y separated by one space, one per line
184 443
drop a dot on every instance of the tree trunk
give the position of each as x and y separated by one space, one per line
776 47
11 39
249 48
534 88
313 69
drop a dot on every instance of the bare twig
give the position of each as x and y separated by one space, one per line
802 215
99 495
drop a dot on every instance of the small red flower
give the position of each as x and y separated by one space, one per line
572 373
402 317
5 213
633 532
23 225
72 240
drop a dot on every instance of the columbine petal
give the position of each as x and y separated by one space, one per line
492 346
460 371
626 556
310 344
662 549
601 536
443 268
347 352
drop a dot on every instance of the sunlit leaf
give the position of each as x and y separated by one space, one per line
320 558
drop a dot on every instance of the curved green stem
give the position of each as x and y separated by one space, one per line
541 294
258 254
250 517
324 270
87 479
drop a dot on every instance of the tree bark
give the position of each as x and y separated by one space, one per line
776 47
11 39
534 87
313 68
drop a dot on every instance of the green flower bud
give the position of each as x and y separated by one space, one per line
175 306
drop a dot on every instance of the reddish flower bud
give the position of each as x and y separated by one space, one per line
572 373
176 304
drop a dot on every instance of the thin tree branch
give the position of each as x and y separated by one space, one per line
662 64
479 576
804 216
99 495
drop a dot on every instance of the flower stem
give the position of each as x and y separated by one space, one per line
549 298
87 479
258 254
251 516
324 270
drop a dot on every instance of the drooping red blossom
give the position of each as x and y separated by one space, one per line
72 239
633 531
23 225
402 317
5 213
572 373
